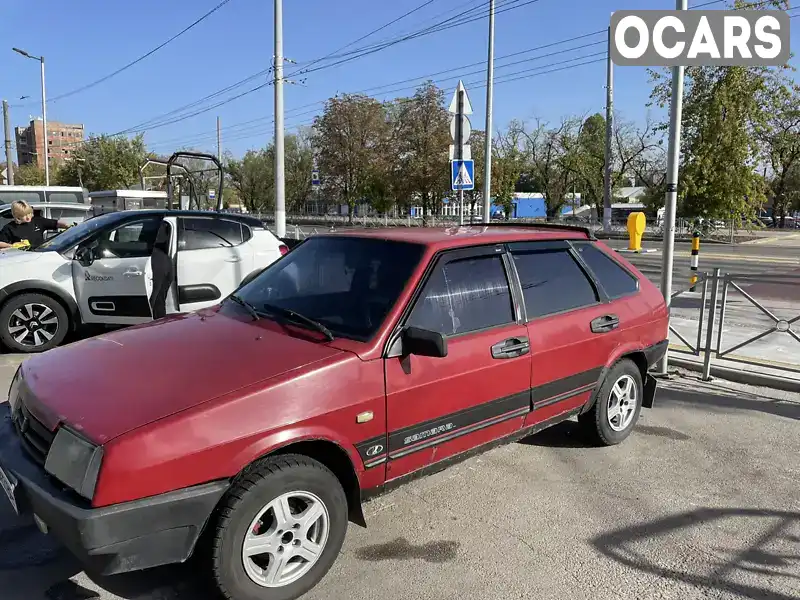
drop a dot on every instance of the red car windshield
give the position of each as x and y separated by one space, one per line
348 284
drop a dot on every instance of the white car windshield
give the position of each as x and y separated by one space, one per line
69 237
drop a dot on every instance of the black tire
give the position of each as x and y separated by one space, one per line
256 489
38 302
595 422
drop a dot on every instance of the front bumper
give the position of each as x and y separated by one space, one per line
114 539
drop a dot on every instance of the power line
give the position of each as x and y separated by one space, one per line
136 61
374 31
157 122
450 70
436 28
507 78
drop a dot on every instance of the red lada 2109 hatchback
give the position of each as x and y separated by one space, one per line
256 428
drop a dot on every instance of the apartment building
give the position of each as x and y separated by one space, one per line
62 139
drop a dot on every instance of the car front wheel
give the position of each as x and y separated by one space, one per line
617 405
33 323
280 530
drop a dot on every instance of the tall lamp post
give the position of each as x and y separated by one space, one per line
44 115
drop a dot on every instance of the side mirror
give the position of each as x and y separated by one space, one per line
84 256
424 343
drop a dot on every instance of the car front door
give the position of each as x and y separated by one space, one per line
570 325
439 407
212 260
111 284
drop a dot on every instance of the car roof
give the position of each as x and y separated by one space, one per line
246 219
472 235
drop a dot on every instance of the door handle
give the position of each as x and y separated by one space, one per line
234 259
605 323
511 348
133 273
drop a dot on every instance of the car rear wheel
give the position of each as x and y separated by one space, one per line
280 530
33 323
617 405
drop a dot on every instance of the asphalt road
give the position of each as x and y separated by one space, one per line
701 502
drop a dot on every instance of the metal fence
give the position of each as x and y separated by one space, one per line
733 325
299 226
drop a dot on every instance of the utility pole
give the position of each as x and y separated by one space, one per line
671 196
219 140
280 193
487 151
609 137
44 125
7 126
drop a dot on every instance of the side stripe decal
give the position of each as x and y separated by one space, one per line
402 442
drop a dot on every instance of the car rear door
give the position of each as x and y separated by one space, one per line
439 407
212 259
572 323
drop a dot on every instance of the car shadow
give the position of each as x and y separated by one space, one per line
633 547
567 434
34 566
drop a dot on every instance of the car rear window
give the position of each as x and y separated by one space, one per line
614 279
552 282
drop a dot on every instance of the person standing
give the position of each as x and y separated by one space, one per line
26 226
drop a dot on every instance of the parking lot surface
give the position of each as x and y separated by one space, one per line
700 502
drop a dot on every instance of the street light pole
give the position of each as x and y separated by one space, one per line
44 113
44 125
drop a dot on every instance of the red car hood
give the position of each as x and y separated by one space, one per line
114 383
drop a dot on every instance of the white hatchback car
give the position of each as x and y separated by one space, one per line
102 271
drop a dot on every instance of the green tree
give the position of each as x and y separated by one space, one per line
298 164
104 163
29 174
421 141
551 163
724 111
508 163
252 178
351 132
780 137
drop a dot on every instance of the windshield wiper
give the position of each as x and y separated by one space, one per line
250 308
296 316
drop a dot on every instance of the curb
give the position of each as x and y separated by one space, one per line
640 251
738 376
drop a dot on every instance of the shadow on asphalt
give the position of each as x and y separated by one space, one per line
632 547
743 400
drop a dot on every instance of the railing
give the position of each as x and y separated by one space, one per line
735 323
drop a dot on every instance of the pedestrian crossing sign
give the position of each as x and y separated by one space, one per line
462 175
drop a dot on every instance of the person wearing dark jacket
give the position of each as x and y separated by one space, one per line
27 227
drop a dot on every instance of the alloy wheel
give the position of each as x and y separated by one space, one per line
286 539
33 324
622 401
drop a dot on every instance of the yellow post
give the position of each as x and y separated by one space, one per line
695 260
636 226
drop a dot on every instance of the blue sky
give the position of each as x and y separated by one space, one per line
87 39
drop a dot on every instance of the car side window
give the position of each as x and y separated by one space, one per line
204 233
68 214
552 282
464 295
614 280
132 240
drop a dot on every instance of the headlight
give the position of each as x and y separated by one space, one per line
74 461
13 391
